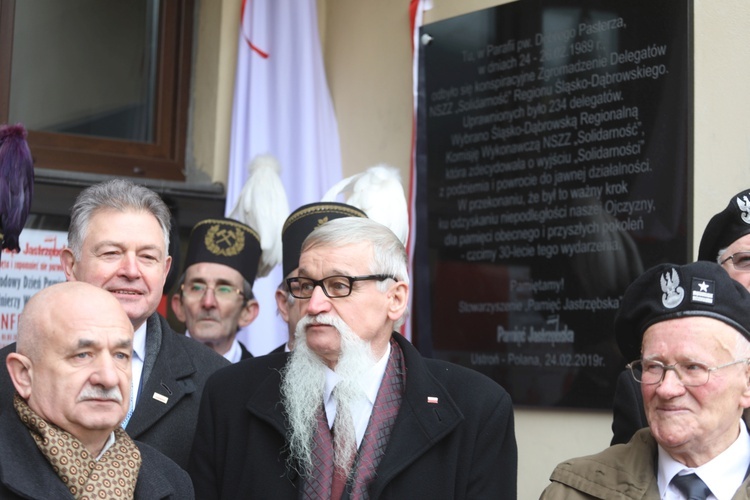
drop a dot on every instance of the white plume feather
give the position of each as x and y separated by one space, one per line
379 193
263 206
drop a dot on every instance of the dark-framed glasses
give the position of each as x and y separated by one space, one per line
740 261
691 374
196 291
335 287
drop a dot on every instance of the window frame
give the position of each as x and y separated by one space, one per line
164 158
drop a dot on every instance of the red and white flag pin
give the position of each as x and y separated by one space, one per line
432 400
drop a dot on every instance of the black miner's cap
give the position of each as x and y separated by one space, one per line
303 221
225 241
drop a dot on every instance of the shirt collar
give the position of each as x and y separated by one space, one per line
723 474
234 354
373 378
139 342
110 442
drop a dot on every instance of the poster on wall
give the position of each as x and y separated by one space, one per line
23 274
553 159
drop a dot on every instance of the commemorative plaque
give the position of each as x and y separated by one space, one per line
553 168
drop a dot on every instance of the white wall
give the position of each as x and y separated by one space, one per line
368 61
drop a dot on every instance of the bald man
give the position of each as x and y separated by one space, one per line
71 372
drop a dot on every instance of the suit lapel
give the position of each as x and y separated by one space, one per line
419 425
167 382
265 402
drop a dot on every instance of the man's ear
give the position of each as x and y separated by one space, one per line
68 262
282 305
177 309
21 373
398 300
249 313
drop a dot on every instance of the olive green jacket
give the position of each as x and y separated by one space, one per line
622 471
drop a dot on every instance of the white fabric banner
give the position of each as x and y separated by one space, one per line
282 107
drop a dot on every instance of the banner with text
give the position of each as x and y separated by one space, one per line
23 274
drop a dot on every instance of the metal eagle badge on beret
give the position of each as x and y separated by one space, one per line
744 205
673 292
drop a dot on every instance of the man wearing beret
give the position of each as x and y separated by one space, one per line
726 240
216 297
687 330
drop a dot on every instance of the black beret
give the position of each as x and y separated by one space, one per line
669 291
301 223
225 241
724 228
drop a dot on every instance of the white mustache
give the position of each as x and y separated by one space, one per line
92 392
320 319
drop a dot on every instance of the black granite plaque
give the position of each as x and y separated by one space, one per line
553 165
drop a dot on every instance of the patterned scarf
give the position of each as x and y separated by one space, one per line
372 449
112 476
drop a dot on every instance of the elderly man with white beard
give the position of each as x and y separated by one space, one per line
354 411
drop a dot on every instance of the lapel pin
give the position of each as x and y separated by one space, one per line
160 398
432 400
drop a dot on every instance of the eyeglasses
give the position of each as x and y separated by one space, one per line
691 374
740 261
335 287
196 291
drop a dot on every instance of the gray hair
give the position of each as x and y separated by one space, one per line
718 255
388 253
117 194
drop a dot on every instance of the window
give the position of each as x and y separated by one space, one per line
101 85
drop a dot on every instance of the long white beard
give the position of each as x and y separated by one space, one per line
303 383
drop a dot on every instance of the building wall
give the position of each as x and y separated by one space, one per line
367 49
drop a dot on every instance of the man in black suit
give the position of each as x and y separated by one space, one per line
354 409
726 240
216 290
118 240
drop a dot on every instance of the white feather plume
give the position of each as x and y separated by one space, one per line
379 193
263 206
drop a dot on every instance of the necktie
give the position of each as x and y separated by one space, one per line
343 422
691 486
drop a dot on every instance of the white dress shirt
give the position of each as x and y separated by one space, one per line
723 474
362 408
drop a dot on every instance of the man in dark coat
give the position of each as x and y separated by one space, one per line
72 379
118 240
726 240
354 411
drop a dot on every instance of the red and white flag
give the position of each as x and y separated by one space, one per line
282 107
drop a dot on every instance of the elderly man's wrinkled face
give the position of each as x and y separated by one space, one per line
80 372
212 305
367 311
694 424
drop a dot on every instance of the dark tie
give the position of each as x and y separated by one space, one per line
691 486
339 477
